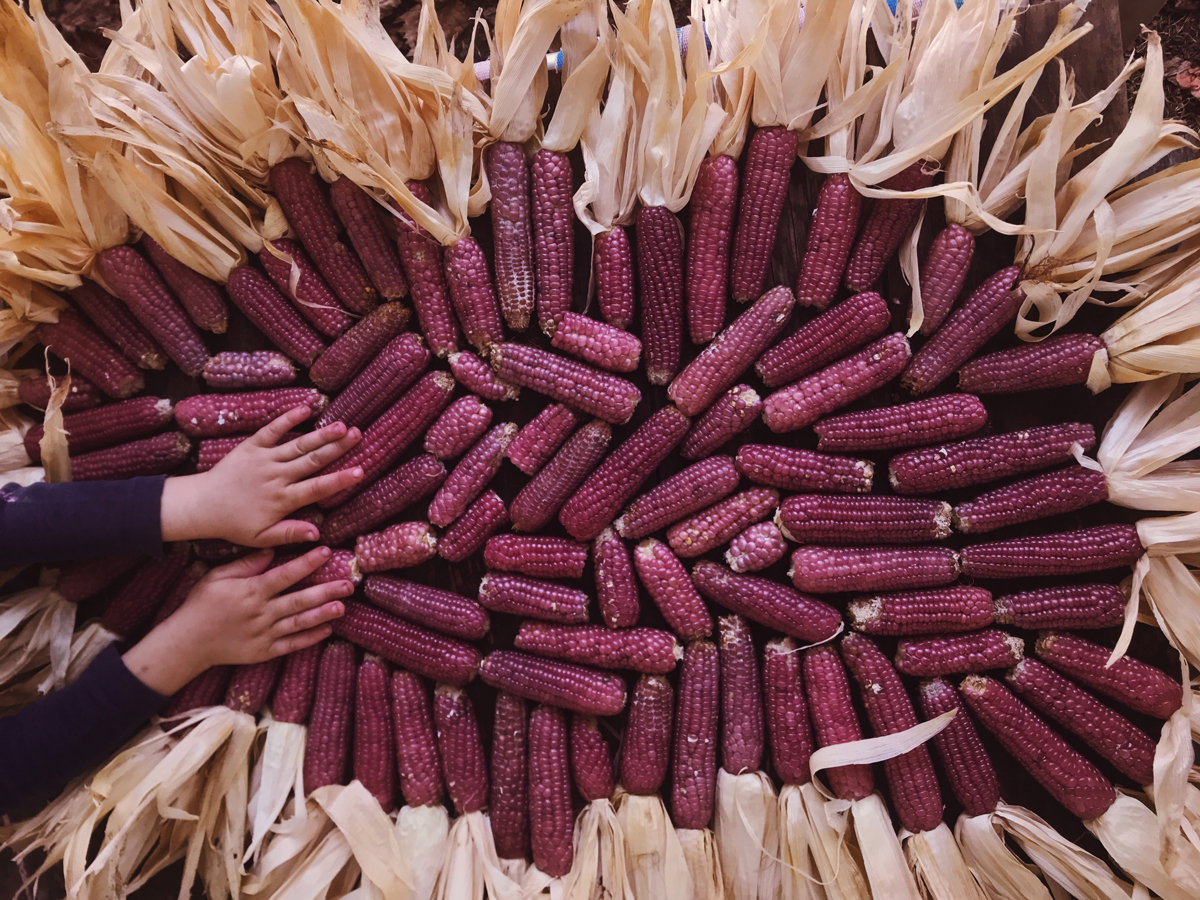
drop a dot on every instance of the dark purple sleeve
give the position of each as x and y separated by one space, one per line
51 522
46 745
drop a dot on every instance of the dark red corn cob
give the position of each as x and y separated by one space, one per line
1061 491
136 603
302 196
535 555
468 534
150 456
331 722
551 818
616 585
106 426
1131 682
510 777
694 756
731 414
758 547
768 167
1078 606
218 415
934 611
553 235
421 257
789 732
473 473
1127 747
980 460
473 294
612 263
512 233
696 487
418 761
464 764
378 385
943 271
591 760
82 580
834 719
522 596
396 547
271 313
831 519
586 389
741 697
312 297
476 375
426 605
405 644
251 685
363 220
660 282
541 437
912 781
206 689
830 236
645 753
241 370
710 233
965 761
143 290
722 362
1065 553
631 649
543 497
597 343
1060 360
824 570
1064 773
386 498
980 318
765 601
949 654
792 469
833 387
619 477
350 353
212 450
375 732
293 698
118 324
885 227
914 424
461 425
35 391
201 296
98 361
668 584
718 524
556 683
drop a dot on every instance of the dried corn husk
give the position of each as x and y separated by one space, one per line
746 828
818 857
278 773
423 832
654 857
937 862
56 461
704 879
598 869
587 50
470 867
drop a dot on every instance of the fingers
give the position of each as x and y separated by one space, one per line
314 490
317 459
270 435
246 567
301 640
310 607
289 531
281 578
306 443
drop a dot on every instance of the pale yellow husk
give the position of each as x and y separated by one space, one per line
587 47
56 461
598 869
737 36
746 828
470 866
653 855
277 774
1130 834
704 878
423 832
36 627
819 856
937 862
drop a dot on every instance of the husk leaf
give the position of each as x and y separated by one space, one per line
470 865
598 869
812 824
1130 833
654 857
56 460
703 863
587 49
937 862
422 832
746 828
999 872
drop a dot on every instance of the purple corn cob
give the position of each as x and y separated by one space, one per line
119 325
943 271
1078 606
694 756
767 602
114 423
473 294
741 697
540 501
824 570
363 220
949 654
235 370
217 415
510 777
417 755
922 612
591 760
887 223
150 456
834 719
1131 682
541 437
914 424
396 547
556 683
461 425
385 499
1064 553
766 172
598 343
645 650
554 233
696 487
476 375
473 473
331 722
731 414
294 694
269 311
465 537
967 765
668 584
791 469
341 566
375 732
537 556
350 353
312 297
660 282
1052 494
645 753
589 390
1061 360
756 548
710 230
251 686
551 818
616 585
464 763
830 236
612 262
378 385
35 391
789 732
85 579
405 644
512 230
73 340
718 524
206 689
131 610
421 257
826 339
827 519
522 596
443 611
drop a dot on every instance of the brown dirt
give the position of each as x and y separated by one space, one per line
1178 24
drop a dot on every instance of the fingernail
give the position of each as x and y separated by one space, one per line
312 534
357 473
325 552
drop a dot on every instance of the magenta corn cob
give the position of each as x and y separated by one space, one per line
912 781
722 362
885 227
831 519
695 488
645 753
271 313
612 263
251 686
331 722
426 605
35 391
473 294
824 570
731 414
386 498
948 654
118 324
710 234
718 524
1061 491
591 760
741 697
537 556
622 473
586 389
472 474
302 196
934 611
218 415
350 353
694 755
553 235
598 343
789 732
512 233
834 719
830 236
297 686
73 340
660 282
143 290
1078 606
206 689
421 257
616 584
341 566
378 385
522 596
106 426
543 497
668 584
464 764
1064 553
405 644
418 761
826 339
792 469
765 175
965 760
135 604
363 220
541 437
646 650
477 376
150 456
312 297
238 370
396 547
990 307
510 777
468 534
461 425
1060 360
83 580
551 818
756 548
1131 682
942 273
375 732
906 425
765 601
557 683
837 385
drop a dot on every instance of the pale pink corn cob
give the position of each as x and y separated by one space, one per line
461 425
535 555
1065 553
476 375
824 570
473 473
710 232
731 414
551 818
512 230
1078 606
835 386
540 501
834 719
464 763
886 225
612 262
294 694
386 498
696 487
934 611
966 762
233 370
396 547
694 756
668 584
598 343
646 650
216 415
443 611
830 237
519 595
557 683
792 469
420 768
591 760
350 353
949 654
1052 494
341 566
1061 360
473 293
769 156
767 602
377 386
554 235
421 257
741 697
466 536
541 437
646 750
718 524
1131 682
758 547
660 283
789 731
913 424
942 273
312 297
589 390
406 644
831 519
510 777
616 584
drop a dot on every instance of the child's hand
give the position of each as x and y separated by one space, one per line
236 615
246 497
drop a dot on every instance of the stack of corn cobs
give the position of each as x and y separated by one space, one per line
682 559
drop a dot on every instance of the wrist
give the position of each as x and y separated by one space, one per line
182 514
164 660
